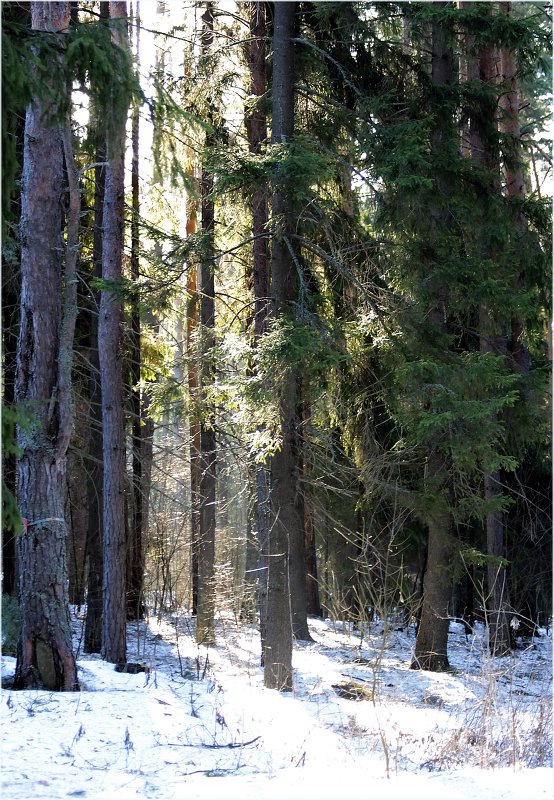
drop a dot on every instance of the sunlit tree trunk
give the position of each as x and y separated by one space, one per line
43 382
114 627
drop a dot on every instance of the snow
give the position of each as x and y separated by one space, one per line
201 725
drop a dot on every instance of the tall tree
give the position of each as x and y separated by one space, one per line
256 129
285 521
205 618
432 635
114 644
135 552
43 383
95 557
493 328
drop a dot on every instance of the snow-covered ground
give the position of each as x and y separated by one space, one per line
359 724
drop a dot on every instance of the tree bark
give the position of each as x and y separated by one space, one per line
285 521
135 553
114 645
93 623
256 128
205 617
45 656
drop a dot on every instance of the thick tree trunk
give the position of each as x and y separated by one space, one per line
45 656
285 520
205 617
432 634
114 630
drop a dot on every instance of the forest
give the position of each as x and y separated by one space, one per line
276 325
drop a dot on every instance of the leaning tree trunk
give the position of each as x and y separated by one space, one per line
114 617
205 615
285 522
44 356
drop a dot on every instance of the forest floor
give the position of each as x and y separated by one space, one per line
359 723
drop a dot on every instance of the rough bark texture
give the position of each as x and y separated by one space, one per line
45 656
136 544
93 624
205 631
285 522
313 604
114 645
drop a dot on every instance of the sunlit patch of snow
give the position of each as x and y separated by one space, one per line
200 724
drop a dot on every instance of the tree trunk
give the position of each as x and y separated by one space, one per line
95 557
205 619
114 645
285 521
432 634
313 605
194 413
135 553
256 129
45 656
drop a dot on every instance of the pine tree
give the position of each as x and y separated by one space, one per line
43 386
114 643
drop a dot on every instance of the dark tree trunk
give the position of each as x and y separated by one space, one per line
205 618
313 604
45 655
135 554
194 421
95 556
432 633
256 129
285 521
76 509
114 645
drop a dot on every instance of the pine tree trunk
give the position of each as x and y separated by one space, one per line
114 644
135 553
45 655
95 556
313 605
205 618
256 129
285 521
193 381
